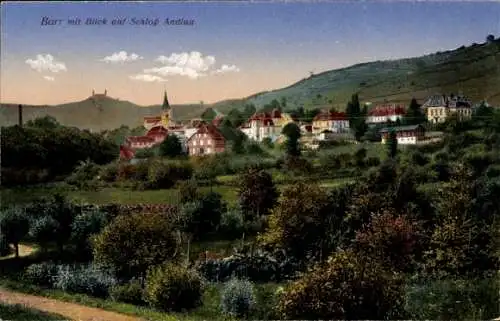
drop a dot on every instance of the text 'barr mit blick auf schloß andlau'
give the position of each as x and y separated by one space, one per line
48 21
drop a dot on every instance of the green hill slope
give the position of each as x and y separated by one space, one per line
474 70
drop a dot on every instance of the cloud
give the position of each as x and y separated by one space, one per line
190 64
121 57
46 63
227 68
147 78
49 78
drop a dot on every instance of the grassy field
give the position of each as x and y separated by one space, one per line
125 196
19 312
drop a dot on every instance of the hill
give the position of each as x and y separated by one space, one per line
473 70
94 113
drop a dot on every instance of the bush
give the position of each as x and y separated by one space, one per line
232 224
131 292
109 172
173 288
5 248
165 175
41 274
90 279
372 162
132 243
238 298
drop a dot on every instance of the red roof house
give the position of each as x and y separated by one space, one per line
207 140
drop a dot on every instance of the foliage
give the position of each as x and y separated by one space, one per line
85 225
390 239
132 243
257 193
414 114
130 292
14 226
259 266
299 223
172 287
392 144
165 175
452 299
238 298
346 287
171 146
83 173
188 191
42 274
57 149
292 133
43 230
88 279
232 223
201 217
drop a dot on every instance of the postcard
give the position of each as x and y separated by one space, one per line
265 160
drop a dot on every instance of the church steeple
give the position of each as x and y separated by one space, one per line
166 105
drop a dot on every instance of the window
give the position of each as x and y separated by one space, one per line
202 151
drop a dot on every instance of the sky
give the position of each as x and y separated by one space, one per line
221 50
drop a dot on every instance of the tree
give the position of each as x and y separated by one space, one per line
292 132
46 122
14 226
130 244
490 38
171 146
297 223
414 114
392 144
85 225
257 193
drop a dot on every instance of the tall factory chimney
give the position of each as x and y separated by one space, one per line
20 110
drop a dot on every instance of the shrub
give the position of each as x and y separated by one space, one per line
109 172
345 287
238 298
165 175
41 274
173 288
84 172
188 191
84 226
131 292
90 279
14 225
372 161
5 248
232 224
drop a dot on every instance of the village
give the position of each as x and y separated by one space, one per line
199 137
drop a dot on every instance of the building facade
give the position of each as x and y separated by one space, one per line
334 122
439 108
381 114
206 140
266 125
405 135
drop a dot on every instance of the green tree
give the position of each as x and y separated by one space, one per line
392 144
257 193
414 114
292 132
130 244
46 122
171 146
14 226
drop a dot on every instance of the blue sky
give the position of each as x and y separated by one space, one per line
270 45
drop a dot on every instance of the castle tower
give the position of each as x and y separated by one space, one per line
105 92
93 92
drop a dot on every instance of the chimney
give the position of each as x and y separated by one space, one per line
20 111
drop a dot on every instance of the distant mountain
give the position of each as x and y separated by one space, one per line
473 70
96 113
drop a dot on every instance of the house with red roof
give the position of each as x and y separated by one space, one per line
385 113
206 140
331 121
154 136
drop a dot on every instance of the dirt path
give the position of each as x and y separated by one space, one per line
71 311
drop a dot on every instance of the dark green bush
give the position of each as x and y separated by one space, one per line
372 161
109 173
238 298
173 288
131 292
232 224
